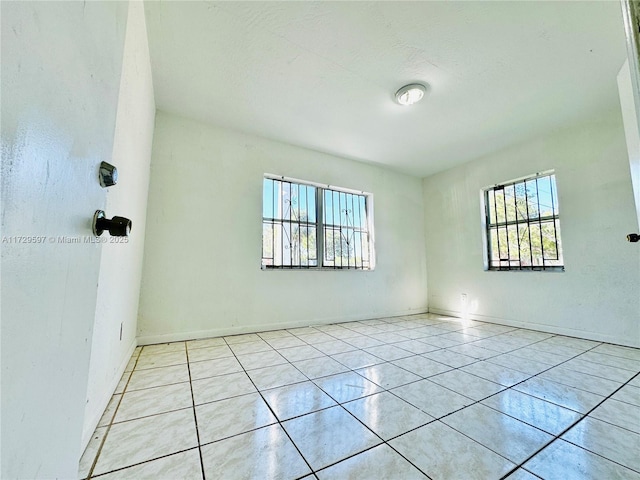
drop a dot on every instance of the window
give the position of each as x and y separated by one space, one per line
307 225
523 225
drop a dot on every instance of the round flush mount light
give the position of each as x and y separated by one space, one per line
410 94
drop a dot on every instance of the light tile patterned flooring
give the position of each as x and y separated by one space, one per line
420 396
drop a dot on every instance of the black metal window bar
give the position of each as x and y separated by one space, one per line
346 235
523 225
292 215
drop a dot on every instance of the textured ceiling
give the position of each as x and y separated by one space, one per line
322 74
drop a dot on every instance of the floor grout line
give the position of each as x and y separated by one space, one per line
119 469
402 320
338 404
279 423
195 417
583 416
384 390
115 412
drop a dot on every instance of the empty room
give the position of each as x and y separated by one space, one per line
320 240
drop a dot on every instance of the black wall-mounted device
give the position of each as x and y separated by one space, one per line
117 226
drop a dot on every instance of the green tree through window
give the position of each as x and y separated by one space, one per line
308 226
523 225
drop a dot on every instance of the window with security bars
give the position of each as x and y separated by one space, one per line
306 225
523 225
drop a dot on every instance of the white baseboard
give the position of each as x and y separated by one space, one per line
263 327
90 425
570 332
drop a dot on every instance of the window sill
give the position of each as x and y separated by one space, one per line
315 269
541 270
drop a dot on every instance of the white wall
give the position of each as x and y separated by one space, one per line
630 113
202 272
61 64
121 263
598 296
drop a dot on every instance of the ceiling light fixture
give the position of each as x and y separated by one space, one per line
410 94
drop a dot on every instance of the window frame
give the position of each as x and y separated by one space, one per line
487 226
320 225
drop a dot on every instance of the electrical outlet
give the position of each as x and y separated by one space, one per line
463 297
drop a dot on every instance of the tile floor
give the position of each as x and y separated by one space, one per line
411 397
